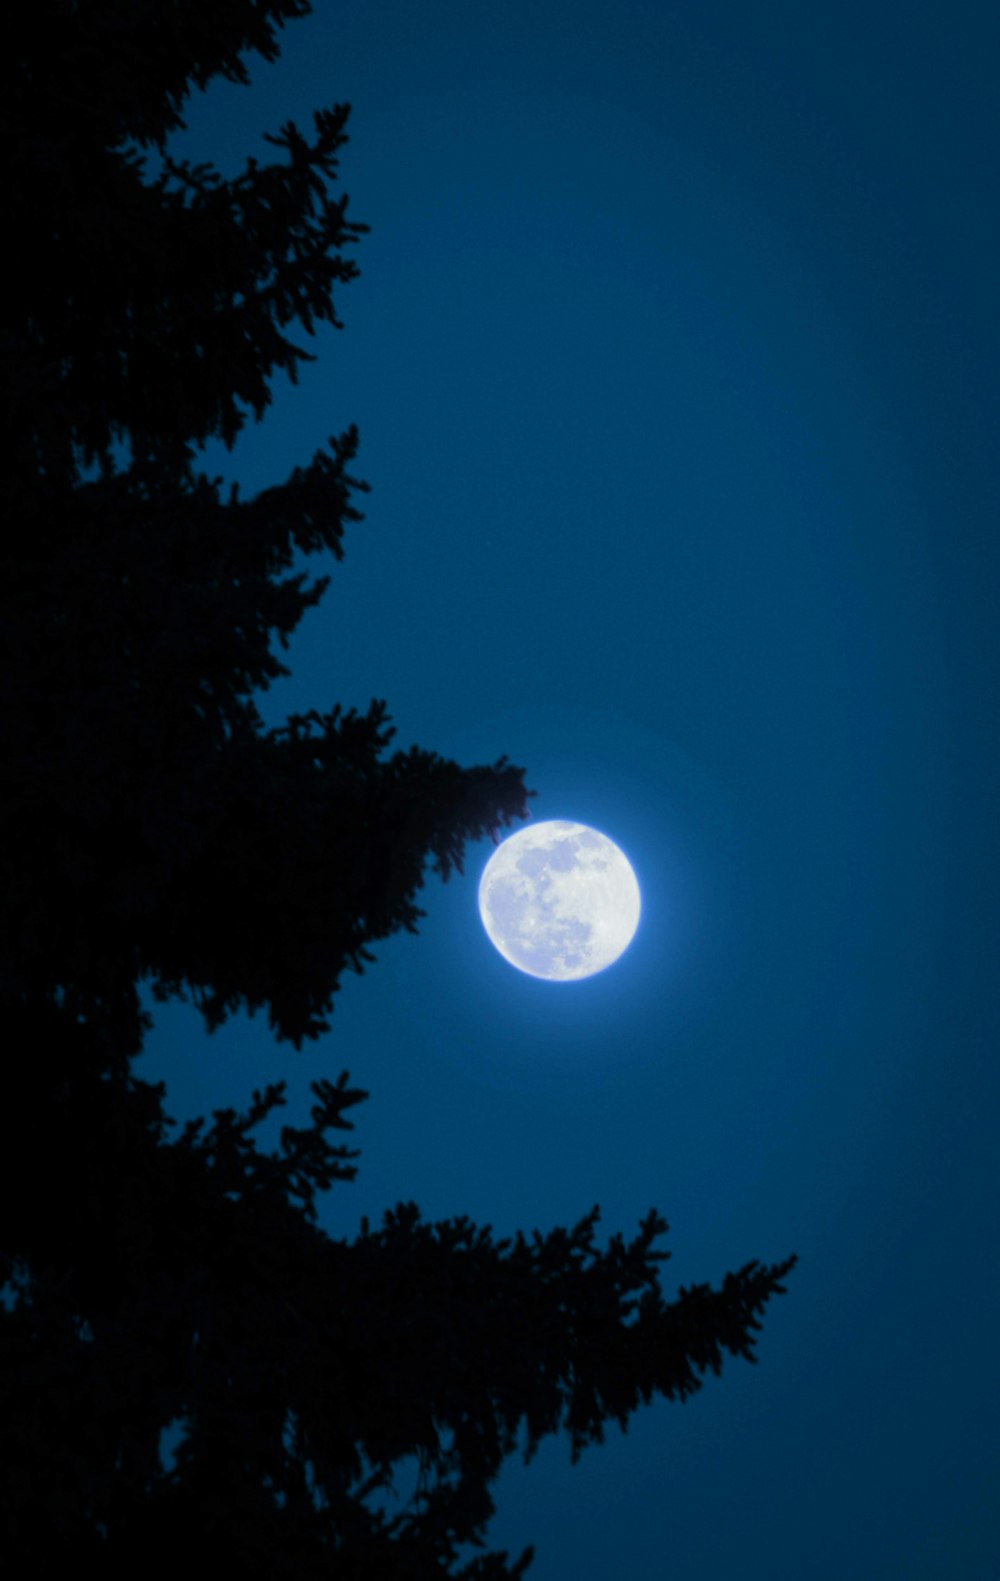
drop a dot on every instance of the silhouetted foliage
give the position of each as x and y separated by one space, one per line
192 1365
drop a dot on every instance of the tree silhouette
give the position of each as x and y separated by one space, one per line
192 1365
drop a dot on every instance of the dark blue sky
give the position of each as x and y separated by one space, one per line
674 360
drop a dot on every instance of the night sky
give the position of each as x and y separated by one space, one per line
674 359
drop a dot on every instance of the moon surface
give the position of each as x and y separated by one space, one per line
559 900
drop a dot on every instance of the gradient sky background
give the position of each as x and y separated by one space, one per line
674 361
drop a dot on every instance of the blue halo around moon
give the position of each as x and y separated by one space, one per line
559 900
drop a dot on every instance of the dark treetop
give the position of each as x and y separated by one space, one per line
191 1364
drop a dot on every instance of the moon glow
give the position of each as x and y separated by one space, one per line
559 900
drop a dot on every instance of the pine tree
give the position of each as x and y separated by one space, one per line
191 1363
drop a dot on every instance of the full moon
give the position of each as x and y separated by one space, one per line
559 900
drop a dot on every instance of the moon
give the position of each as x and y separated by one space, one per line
559 900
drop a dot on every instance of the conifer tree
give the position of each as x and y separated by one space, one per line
191 1364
